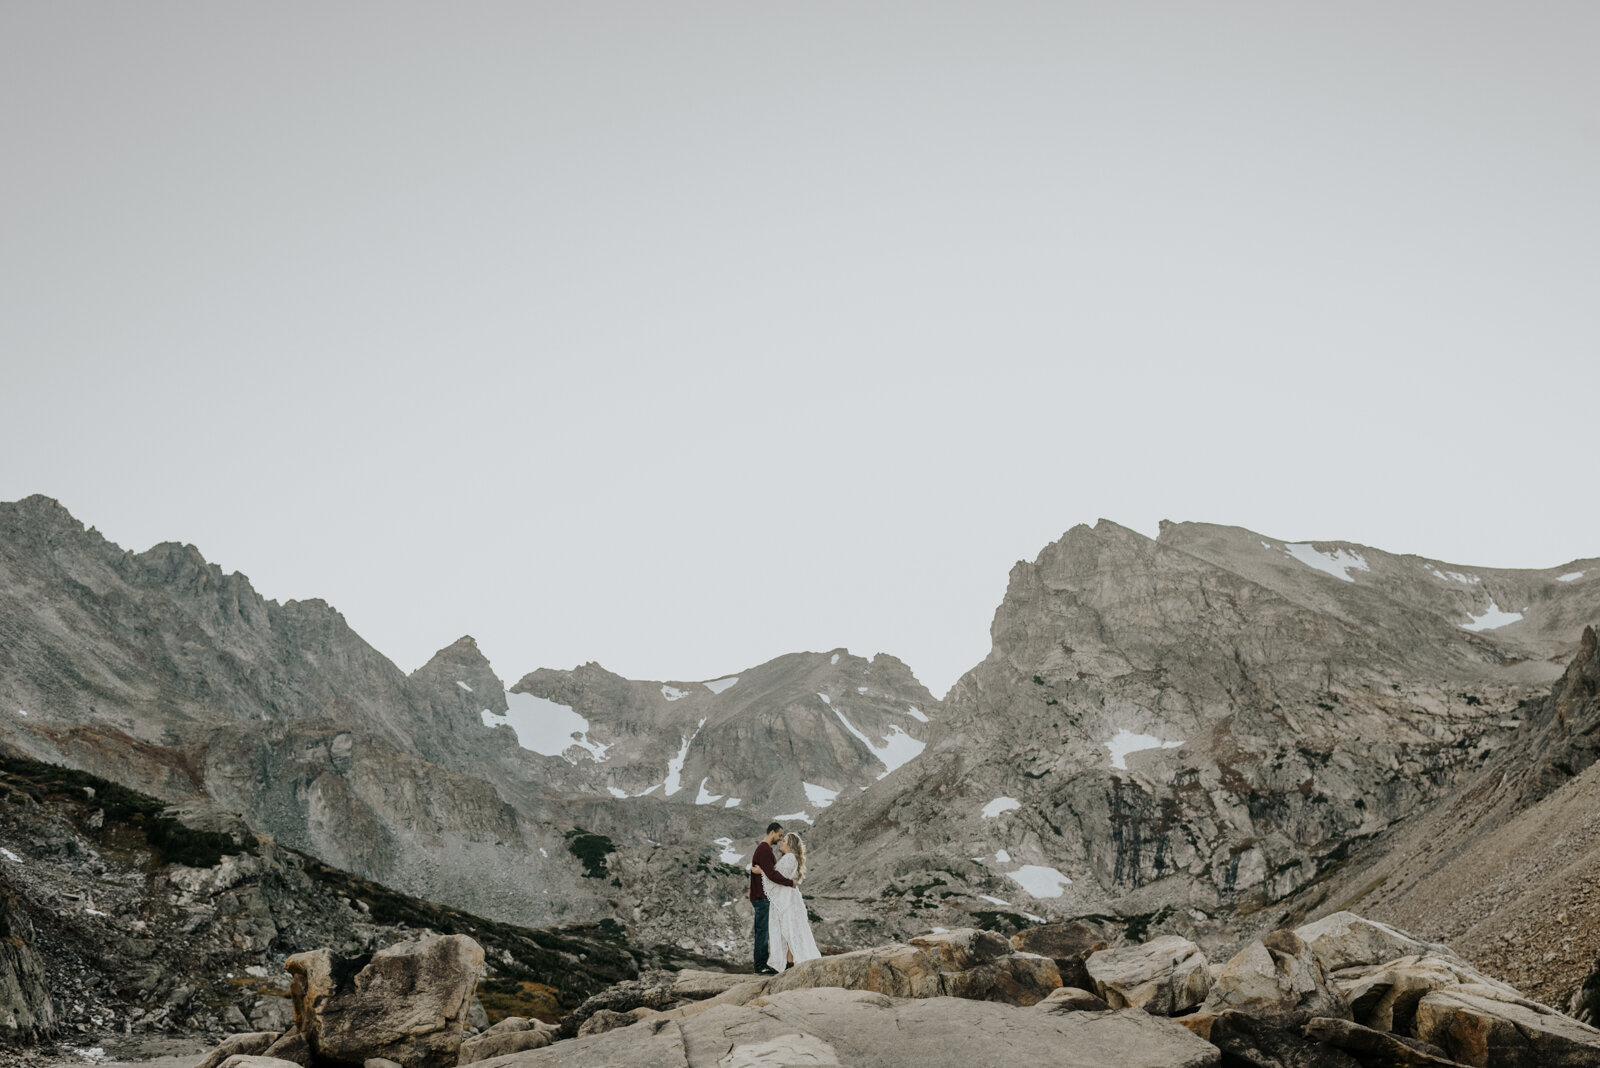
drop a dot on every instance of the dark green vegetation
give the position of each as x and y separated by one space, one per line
170 841
1005 923
591 850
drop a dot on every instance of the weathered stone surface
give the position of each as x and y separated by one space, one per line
965 967
1072 999
606 1020
1373 1047
495 1044
407 1003
291 1047
847 1027
257 1061
248 1044
1476 1025
1165 976
1068 944
694 985
652 991
1247 1042
1276 979
1346 940
379 1062
1385 996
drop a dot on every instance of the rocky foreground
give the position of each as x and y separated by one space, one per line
1342 992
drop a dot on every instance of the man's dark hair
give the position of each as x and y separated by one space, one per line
774 826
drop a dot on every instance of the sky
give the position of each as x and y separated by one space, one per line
681 336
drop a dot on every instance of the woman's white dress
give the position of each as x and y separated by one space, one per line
788 928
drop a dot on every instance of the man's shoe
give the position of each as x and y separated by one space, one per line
766 969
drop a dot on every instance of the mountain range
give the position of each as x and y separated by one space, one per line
1201 733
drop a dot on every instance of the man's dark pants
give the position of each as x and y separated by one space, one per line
762 949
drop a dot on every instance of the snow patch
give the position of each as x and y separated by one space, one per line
800 816
718 685
542 853
834 659
94 1055
543 726
916 714
10 855
728 856
1002 857
895 751
732 802
706 797
825 699
674 781
999 805
616 792
464 686
995 900
1266 545
938 930
861 689
1337 563
672 693
1493 619
1125 742
819 796
94 912
1572 577
1466 580
1039 881
22 711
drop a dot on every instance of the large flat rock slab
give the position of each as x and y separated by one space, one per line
852 1027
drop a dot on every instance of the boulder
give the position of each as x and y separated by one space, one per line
492 1044
272 1014
1277 979
1480 1026
1345 940
1249 1042
1068 944
241 1060
1378 1047
850 1027
1072 999
1384 996
1165 976
964 964
510 1023
379 1062
248 1044
407 1003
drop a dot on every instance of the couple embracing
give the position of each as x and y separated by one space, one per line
782 929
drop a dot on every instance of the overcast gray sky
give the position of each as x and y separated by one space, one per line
680 336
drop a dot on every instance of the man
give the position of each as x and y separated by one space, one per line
764 863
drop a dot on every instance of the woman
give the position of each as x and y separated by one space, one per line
788 928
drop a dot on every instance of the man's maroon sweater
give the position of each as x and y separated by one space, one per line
768 863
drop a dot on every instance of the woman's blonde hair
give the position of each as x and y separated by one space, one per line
798 848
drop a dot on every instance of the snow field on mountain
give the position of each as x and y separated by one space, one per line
1125 741
543 726
1338 563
